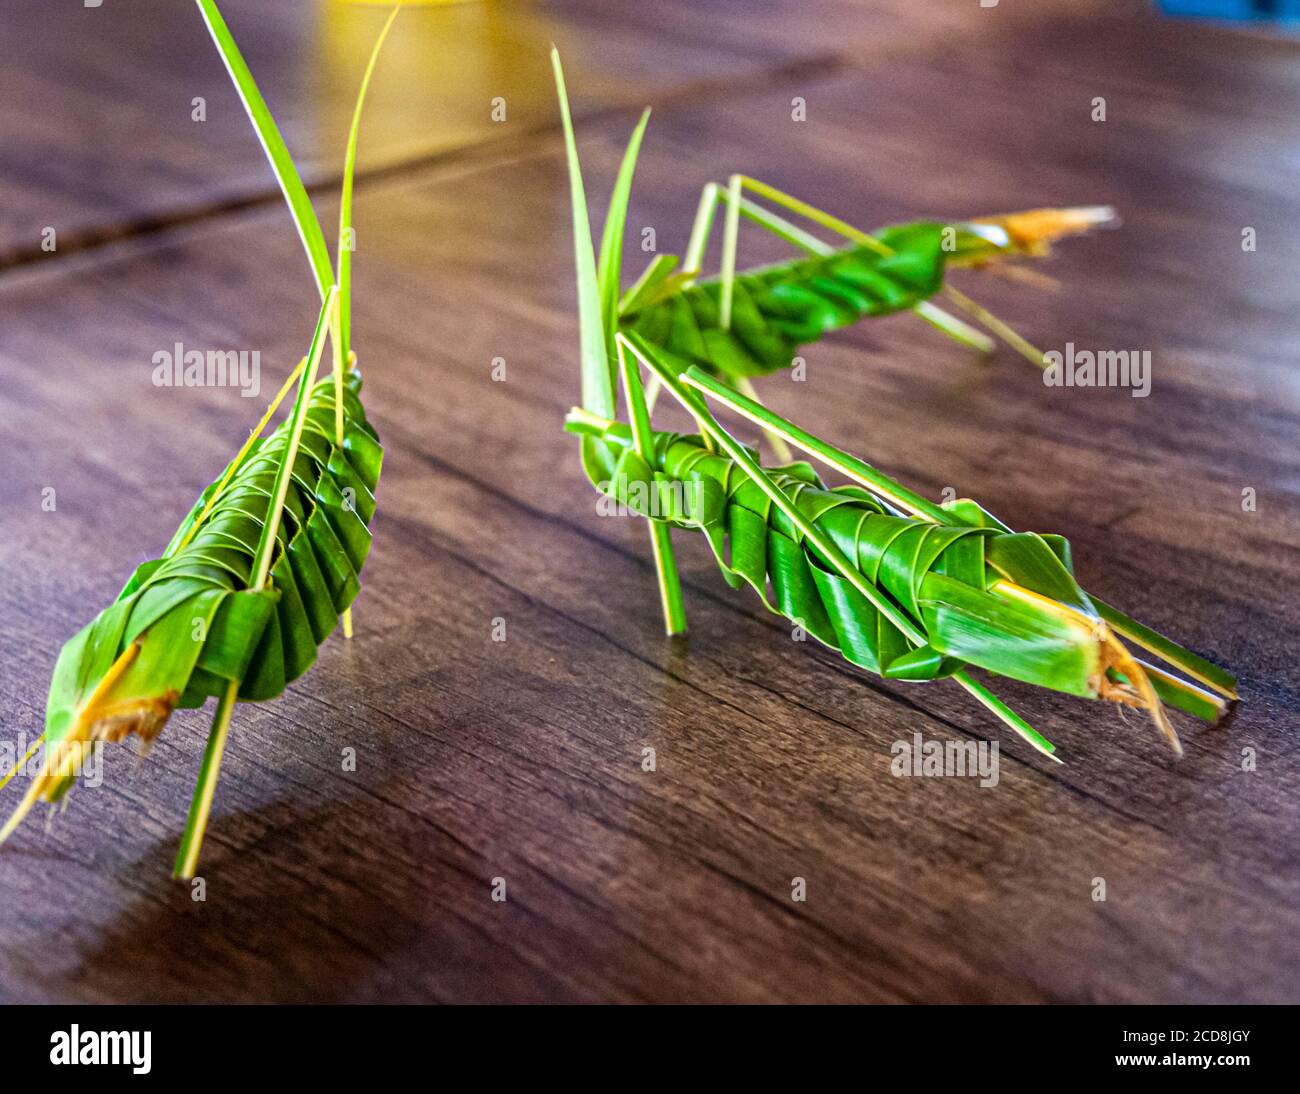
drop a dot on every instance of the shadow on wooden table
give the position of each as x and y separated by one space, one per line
301 912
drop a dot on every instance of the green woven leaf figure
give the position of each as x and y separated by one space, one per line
898 585
747 324
268 560
752 323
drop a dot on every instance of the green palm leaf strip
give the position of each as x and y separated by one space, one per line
282 165
346 235
897 585
263 567
598 312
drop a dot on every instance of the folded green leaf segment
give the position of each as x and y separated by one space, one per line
267 562
898 585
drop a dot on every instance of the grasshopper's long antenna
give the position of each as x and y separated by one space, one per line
341 335
286 174
730 241
711 196
661 543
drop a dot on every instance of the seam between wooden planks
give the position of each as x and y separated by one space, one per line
481 152
820 65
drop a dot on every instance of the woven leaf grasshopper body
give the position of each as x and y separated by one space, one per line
267 562
755 322
188 625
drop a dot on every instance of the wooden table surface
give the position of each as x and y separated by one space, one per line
521 759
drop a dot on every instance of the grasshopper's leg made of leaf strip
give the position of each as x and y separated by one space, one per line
1003 330
20 764
709 197
712 195
342 332
661 544
701 229
336 341
730 243
346 618
196 823
780 449
201 804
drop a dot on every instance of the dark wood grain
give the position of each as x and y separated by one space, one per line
94 87
88 90
522 759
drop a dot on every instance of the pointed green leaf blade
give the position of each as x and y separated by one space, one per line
611 244
597 365
345 203
286 174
